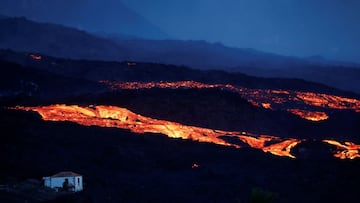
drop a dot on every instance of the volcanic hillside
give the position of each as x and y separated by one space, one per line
20 34
220 136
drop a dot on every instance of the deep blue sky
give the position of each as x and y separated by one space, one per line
330 28
292 27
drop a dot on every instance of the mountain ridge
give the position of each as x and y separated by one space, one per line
21 34
89 15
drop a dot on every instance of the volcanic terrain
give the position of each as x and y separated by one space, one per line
147 132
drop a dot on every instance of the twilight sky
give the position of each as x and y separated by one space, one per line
291 27
330 28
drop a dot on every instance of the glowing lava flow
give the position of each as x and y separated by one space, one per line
310 115
277 149
111 116
329 101
269 99
348 150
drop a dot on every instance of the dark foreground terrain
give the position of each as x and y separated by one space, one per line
119 166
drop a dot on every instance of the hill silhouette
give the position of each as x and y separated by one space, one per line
94 16
21 34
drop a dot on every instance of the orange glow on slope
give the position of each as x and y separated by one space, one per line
149 85
348 150
266 105
310 115
270 99
258 142
329 101
276 149
111 116
36 57
282 147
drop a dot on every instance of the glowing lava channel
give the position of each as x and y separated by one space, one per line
348 150
310 115
269 99
112 116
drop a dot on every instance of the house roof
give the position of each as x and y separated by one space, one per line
65 174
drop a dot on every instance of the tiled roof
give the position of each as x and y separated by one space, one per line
65 174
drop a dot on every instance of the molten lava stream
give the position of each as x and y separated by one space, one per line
260 97
310 115
348 150
329 101
282 148
111 116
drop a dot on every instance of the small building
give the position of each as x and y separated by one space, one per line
65 181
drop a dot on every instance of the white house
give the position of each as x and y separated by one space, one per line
66 180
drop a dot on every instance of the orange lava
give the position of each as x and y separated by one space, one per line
112 116
270 99
36 57
277 149
348 150
149 85
329 101
310 115
266 105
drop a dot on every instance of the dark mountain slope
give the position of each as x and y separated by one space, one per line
205 108
110 16
20 84
341 77
203 55
76 82
56 40
24 35
147 72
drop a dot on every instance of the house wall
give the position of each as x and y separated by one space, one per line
47 181
58 182
78 183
